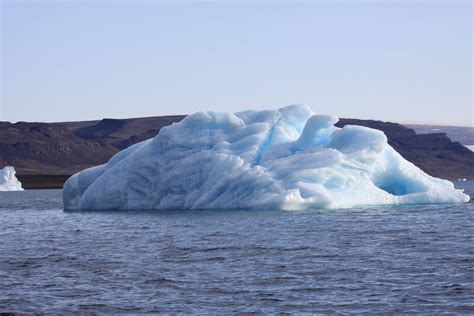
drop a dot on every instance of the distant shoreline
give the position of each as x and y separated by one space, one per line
42 181
55 181
45 155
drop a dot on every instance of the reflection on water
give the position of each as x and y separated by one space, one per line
416 259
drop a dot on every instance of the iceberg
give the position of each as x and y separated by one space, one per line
288 159
8 181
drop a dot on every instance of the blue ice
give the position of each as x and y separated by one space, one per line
288 159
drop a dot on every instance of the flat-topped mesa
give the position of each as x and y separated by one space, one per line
284 159
8 180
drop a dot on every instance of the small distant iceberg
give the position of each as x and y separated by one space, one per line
8 180
289 159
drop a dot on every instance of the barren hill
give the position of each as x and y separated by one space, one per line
45 154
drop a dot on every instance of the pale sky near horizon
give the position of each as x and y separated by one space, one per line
391 60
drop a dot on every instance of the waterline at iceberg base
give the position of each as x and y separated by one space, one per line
285 159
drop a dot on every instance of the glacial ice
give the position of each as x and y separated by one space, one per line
8 181
285 159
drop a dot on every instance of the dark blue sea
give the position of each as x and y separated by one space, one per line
390 260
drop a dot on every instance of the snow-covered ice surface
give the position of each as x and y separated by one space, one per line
286 159
8 181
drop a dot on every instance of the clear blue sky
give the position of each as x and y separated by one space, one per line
77 60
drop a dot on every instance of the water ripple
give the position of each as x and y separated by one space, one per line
417 259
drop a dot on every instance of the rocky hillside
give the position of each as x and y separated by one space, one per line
65 148
45 154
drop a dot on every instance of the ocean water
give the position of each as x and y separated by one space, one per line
410 259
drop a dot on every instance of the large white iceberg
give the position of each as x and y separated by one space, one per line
8 181
286 159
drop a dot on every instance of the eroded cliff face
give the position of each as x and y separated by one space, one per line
66 148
